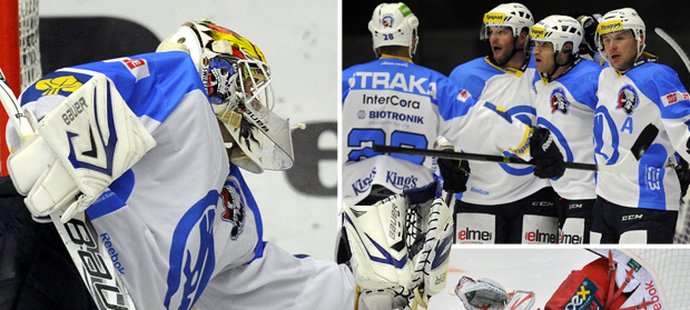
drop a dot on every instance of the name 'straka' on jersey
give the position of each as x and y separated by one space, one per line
399 82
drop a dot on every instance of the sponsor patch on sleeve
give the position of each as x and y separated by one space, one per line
463 95
674 97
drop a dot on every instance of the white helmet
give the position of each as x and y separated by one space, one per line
237 80
394 24
618 20
513 15
558 29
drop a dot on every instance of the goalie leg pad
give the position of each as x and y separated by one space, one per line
376 239
431 264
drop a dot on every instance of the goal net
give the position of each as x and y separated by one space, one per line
20 57
672 267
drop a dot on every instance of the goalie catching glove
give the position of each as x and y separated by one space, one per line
400 248
487 294
90 139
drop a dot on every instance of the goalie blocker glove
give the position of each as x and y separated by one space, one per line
547 158
90 139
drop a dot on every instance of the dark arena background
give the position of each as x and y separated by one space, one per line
449 30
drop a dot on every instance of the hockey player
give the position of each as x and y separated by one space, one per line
641 204
566 89
152 146
392 101
504 203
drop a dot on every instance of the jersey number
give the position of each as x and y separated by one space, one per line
357 137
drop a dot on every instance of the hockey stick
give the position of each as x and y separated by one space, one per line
628 162
78 235
675 46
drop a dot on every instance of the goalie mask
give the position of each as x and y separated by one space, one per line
237 80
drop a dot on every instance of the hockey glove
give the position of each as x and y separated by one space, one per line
589 25
481 294
547 158
455 174
90 139
683 173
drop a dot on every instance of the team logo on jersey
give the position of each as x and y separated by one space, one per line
627 99
387 21
361 114
192 254
233 203
59 85
559 102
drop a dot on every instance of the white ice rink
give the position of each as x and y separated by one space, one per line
538 270
541 270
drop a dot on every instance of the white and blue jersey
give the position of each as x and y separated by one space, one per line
566 107
181 226
648 93
391 101
510 91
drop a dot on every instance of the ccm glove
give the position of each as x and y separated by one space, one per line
547 158
455 174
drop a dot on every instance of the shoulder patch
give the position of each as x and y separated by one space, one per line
57 83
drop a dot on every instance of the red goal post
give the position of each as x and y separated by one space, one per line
19 53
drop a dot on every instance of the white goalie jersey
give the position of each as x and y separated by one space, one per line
181 225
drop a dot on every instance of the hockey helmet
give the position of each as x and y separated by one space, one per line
394 24
619 20
513 15
237 80
558 29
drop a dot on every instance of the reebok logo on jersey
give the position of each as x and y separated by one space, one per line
105 237
399 81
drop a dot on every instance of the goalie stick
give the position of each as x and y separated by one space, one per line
629 161
89 255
